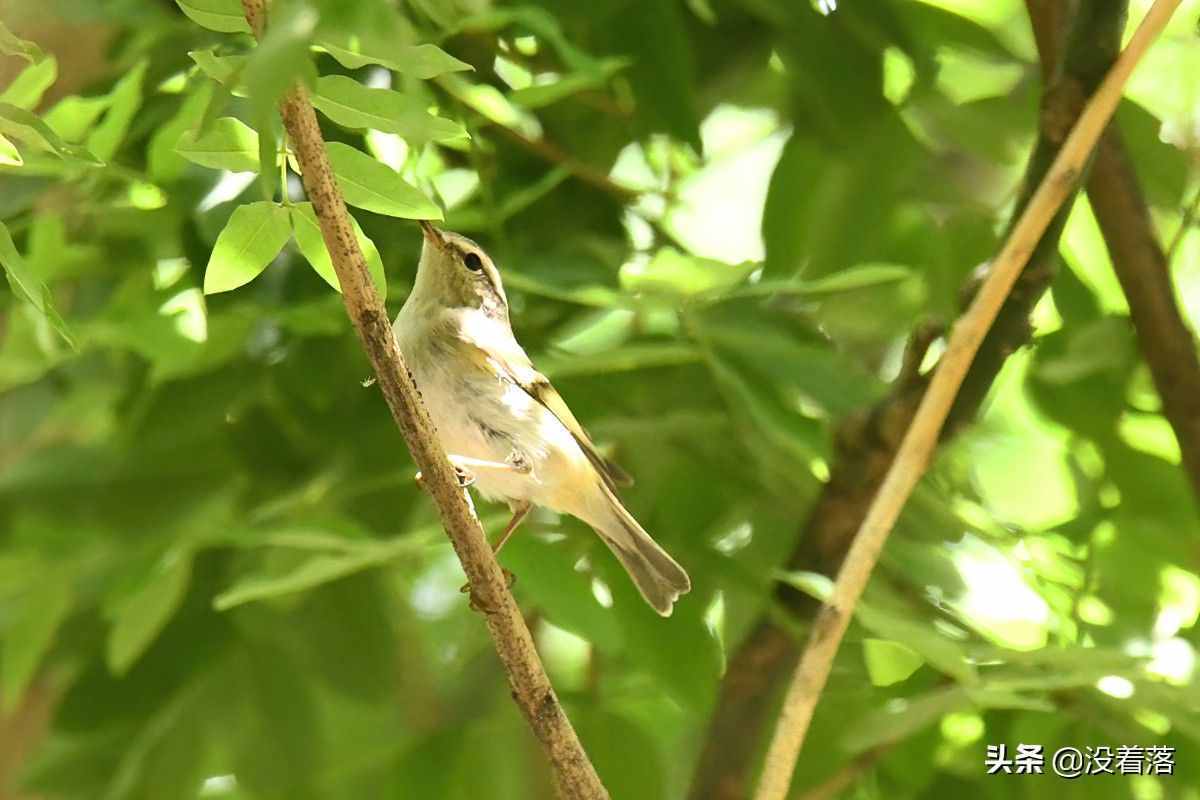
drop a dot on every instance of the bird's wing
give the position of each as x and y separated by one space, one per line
512 362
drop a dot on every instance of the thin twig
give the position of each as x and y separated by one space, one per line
921 438
551 152
531 689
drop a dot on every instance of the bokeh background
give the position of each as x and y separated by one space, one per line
719 223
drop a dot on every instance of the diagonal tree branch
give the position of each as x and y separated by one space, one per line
867 442
531 689
916 449
1167 344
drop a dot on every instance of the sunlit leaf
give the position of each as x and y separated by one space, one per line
228 144
124 101
254 235
9 154
25 126
889 662
672 271
422 61
347 102
312 246
27 88
27 286
370 184
226 70
225 16
72 117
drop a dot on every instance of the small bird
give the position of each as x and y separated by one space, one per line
500 421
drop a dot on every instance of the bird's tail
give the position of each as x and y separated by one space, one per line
657 576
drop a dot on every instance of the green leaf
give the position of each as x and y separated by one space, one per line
27 286
73 117
143 615
9 155
312 245
422 61
254 235
889 662
923 641
624 752
27 88
163 161
549 582
544 94
814 584
224 16
489 101
125 99
894 722
371 184
539 21
26 126
11 45
595 296
621 359
228 144
225 70
347 102
322 569
674 272
29 634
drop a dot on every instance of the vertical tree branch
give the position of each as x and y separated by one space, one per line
1142 268
1166 342
919 441
531 689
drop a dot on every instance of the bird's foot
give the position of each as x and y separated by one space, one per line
465 478
477 603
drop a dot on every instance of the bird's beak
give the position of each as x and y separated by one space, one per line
432 234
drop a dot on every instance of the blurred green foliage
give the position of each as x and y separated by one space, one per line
717 221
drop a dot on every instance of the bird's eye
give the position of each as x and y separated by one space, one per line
472 262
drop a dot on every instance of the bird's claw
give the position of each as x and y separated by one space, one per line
465 478
477 603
